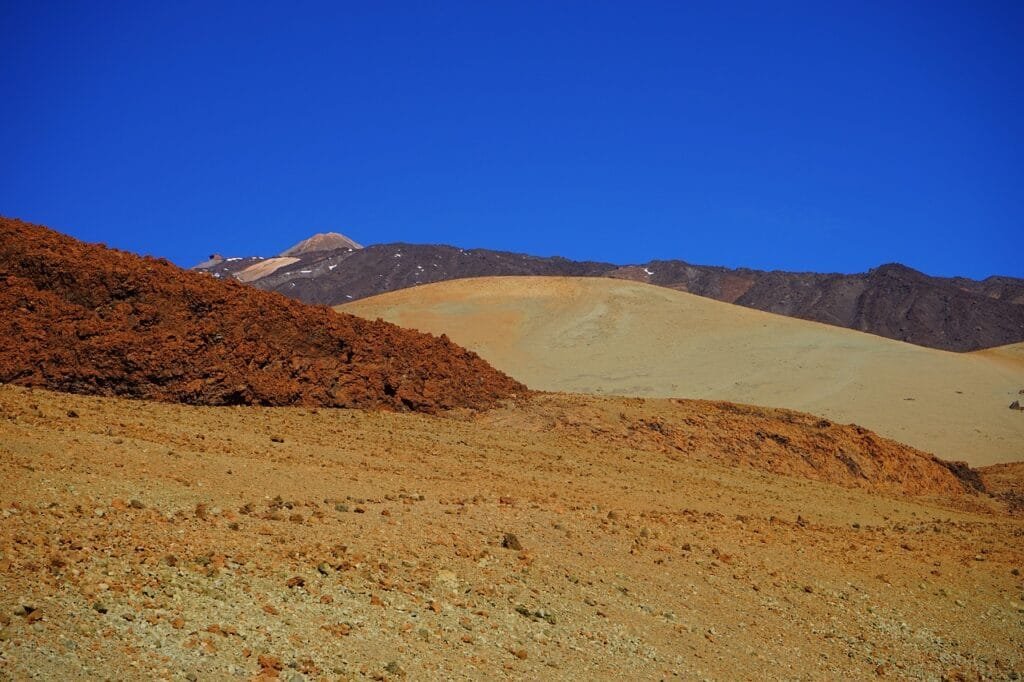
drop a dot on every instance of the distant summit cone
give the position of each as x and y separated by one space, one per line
325 241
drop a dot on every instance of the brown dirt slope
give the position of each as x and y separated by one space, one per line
779 441
1006 482
86 319
564 538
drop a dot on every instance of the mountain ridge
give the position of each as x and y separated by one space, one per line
891 300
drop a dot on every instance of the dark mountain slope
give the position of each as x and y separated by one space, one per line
342 276
894 301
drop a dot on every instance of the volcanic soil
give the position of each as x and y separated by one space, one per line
558 537
593 335
87 319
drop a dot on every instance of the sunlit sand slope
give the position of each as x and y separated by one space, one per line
615 337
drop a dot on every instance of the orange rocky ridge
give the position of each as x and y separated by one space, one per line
87 319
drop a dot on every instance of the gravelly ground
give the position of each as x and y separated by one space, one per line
148 541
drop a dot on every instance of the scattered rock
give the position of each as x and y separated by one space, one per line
510 541
295 581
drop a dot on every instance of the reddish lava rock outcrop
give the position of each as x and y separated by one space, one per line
83 318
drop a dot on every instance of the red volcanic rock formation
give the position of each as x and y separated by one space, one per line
83 318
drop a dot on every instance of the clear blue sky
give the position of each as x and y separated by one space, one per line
828 136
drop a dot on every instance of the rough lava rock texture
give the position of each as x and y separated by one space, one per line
83 318
893 301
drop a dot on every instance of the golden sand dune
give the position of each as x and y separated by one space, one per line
625 338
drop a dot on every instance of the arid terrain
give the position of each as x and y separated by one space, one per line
1011 355
87 319
892 300
526 342
565 537
203 481
592 335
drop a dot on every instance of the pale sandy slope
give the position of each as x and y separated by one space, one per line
616 337
1012 355
264 268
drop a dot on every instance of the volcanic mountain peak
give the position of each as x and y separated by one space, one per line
323 241
896 270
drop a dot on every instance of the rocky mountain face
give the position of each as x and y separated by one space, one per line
893 301
83 318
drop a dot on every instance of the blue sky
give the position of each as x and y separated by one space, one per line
830 136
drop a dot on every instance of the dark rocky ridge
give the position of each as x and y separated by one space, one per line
893 301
